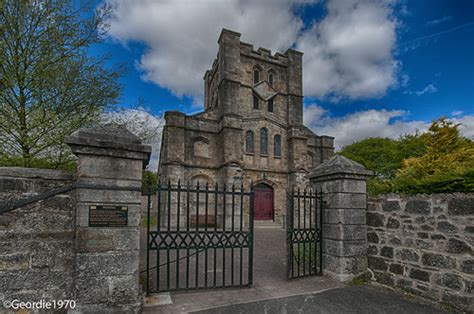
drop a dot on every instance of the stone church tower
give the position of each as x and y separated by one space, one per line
251 129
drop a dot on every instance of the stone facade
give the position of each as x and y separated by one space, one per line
36 241
424 245
246 91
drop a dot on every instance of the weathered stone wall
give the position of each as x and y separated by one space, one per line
50 250
265 162
109 173
424 245
344 227
36 241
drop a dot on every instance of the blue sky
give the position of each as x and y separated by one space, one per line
420 68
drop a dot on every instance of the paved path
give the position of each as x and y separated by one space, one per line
356 299
269 280
273 293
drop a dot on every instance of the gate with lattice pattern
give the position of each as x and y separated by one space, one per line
200 237
304 231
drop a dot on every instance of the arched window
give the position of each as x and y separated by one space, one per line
277 146
255 102
270 78
263 141
249 142
256 76
270 105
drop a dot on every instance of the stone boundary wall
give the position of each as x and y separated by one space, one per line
424 244
37 241
54 249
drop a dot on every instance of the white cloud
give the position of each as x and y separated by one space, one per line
404 79
314 115
371 123
456 113
347 54
182 35
430 88
143 124
427 90
362 124
467 125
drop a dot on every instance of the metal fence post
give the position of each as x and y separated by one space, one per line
321 232
148 235
289 246
251 216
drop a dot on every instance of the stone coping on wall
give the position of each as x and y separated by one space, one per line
47 174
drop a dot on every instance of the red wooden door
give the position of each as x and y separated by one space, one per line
263 202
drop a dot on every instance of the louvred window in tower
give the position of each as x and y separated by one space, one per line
263 141
256 76
255 102
270 105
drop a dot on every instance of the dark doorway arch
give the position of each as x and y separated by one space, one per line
263 202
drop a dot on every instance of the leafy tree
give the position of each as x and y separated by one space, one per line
384 155
408 145
374 153
447 166
148 127
49 85
139 120
149 178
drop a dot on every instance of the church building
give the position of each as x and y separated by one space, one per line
251 129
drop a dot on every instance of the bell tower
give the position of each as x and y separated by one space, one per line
251 129
247 82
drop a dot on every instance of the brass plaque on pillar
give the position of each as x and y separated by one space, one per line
108 216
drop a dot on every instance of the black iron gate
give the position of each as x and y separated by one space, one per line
199 237
304 230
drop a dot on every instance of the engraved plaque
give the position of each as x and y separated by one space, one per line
108 216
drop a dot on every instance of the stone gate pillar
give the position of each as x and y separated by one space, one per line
109 174
343 182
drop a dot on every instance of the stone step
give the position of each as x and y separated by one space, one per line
267 224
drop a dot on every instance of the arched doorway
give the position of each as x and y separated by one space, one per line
263 202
